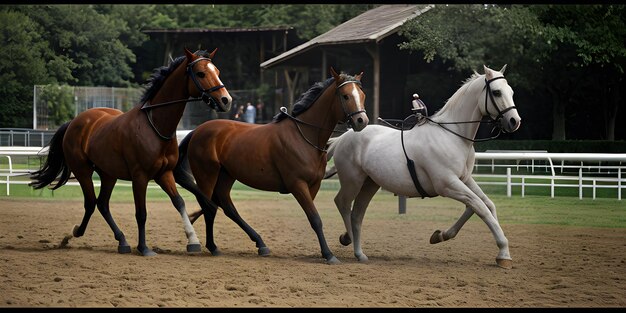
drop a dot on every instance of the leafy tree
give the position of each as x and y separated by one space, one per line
60 102
591 37
562 50
21 66
86 42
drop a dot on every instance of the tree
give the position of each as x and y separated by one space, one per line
21 66
559 49
593 38
86 42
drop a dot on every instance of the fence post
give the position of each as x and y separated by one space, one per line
580 183
619 183
594 189
508 182
401 204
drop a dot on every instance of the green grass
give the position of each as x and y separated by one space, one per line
531 209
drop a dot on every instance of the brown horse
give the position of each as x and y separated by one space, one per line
132 145
287 155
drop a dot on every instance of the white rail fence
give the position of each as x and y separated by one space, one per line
542 169
519 169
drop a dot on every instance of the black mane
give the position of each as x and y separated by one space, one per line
159 75
308 97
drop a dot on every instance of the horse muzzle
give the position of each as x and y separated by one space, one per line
222 104
510 121
358 120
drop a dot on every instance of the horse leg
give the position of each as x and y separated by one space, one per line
106 188
440 236
343 202
83 175
459 191
166 181
140 184
368 190
203 191
222 194
348 191
302 194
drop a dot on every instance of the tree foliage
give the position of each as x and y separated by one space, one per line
22 64
560 50
94 45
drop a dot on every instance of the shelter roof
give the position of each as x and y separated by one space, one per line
371 26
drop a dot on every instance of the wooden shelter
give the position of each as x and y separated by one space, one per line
368 43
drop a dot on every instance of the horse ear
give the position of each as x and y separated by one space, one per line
189 54
358 77
213 53
503 68
335 75
488 72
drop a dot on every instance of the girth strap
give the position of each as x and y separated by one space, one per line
411 165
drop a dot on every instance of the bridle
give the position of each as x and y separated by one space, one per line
492 120
343 101
348 115
205 96
490 94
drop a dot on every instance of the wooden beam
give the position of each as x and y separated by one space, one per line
375 54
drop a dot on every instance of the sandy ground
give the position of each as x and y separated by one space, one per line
553 266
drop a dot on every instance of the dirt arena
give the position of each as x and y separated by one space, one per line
553 266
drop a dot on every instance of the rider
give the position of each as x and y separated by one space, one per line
418 105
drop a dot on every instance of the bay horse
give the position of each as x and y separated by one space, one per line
139 145
441 152
287 155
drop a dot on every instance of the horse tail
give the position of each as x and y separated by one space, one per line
54 165
330 151
182 171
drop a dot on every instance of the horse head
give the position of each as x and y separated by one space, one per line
205 81
499 103
352 99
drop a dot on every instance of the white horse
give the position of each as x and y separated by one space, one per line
443 154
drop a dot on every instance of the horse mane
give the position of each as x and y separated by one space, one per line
456 97
310 96
159 75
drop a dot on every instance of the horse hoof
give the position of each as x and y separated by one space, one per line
436 237
363 258
333 261
123 249
505 263
148 252
344 239
216 252
194 248
264 251
75 231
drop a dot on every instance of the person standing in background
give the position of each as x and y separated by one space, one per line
250 113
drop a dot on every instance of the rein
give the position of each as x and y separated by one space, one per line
204 97
298 121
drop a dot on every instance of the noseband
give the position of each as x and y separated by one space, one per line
206 97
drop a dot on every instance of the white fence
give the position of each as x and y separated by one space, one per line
584 171
567 170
